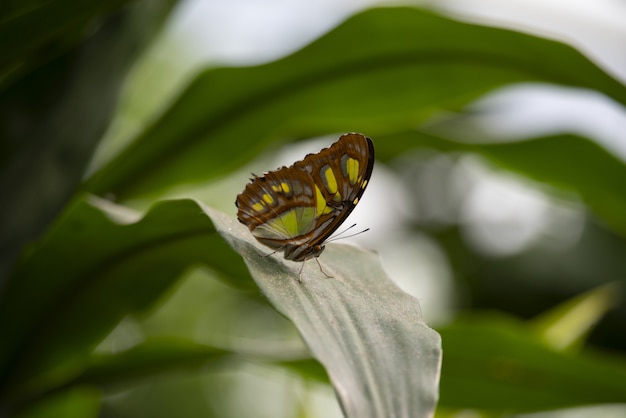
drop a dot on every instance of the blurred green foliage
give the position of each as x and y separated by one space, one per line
74 268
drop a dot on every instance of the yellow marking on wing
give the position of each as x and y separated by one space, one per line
290 224
355 201
337 197
352 166
269 199
331 181
363 184
285 187
276 187
327 210
258 206
319 200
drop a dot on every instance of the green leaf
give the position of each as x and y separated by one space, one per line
369 335
99 263
79 402
567 163
96 265
498 364
33 32
567 325
58 103
307 368
383 70
146 359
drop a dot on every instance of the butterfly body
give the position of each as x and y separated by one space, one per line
295 209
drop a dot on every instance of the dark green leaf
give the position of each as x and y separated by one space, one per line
53 114
382 70
308 368
32 32
79 402
146 359
96 265
495 363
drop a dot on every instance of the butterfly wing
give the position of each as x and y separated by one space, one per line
295 209
341 174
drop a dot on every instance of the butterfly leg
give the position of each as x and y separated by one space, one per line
328 276
300 272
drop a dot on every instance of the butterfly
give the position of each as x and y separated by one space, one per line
295 209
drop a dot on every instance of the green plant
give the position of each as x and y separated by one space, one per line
76 265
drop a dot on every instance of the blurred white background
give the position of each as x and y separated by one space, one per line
500 214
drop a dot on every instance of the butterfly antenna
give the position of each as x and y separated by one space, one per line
338 236
344 231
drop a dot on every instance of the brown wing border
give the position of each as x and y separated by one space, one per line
338 149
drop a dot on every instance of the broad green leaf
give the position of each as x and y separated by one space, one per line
564 162
567 325
383 70
498 364
79 402
33 32
96 265
380 356
191 394
150 357
308 368
55 113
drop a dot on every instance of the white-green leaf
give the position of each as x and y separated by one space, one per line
382 359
